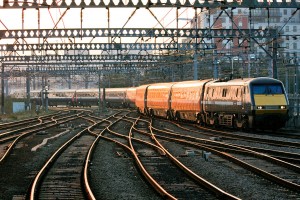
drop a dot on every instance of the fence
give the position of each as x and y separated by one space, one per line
294 109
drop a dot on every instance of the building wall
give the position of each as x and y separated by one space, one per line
289 46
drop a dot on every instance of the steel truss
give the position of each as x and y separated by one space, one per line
133 32
76 58
66 68
36 4
46 65
177 51
105 46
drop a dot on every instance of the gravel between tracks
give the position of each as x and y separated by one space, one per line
20 168
230 177
114 176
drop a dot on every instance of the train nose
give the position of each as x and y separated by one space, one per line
271 122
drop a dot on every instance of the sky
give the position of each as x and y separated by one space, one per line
94 18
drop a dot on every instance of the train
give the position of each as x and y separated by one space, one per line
245 103
114 97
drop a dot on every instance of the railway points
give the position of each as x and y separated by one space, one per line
120 136
149 99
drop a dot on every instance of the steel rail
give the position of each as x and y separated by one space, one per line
50 161
219 192
26 133
151 180
88 189
244 137
241 163
291 166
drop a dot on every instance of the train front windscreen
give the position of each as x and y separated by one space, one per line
269 97
267 89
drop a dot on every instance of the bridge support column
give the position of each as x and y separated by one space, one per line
27 102
2 89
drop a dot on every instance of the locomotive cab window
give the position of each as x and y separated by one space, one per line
267 89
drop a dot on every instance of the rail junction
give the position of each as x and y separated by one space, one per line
83 154
174 51
73 153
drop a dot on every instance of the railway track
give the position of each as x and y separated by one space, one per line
15 124
287 150
241 136
18 134
293 142
223 144
123 155
153 163
62 176
281 172
30 152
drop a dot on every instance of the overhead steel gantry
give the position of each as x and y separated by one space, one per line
56 61
130 32
36 4
64 33
73 62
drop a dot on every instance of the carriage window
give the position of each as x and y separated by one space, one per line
267 89
212 93
224 92
237 92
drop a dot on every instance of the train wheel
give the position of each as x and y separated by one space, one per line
168 116
215 122
177 117
198 119
151 113
245 125
234 123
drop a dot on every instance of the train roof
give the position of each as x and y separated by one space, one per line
88 90
191 83
115 90
161 85
55 90
131 88
245 81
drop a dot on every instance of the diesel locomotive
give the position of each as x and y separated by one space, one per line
241 103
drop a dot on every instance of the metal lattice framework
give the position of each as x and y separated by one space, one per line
124 57
73 58
66 68
105 46
131 32
146 4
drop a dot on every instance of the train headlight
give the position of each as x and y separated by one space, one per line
260 107
282 107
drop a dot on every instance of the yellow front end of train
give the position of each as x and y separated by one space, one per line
270 104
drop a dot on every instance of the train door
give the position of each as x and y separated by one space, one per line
170 114
243 91
206 98
145 100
